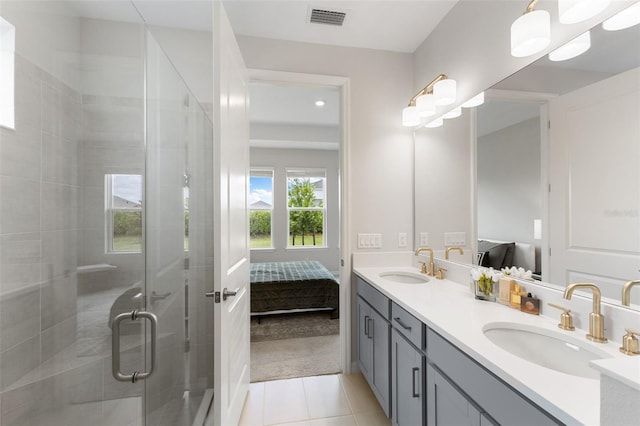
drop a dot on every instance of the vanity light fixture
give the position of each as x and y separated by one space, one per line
572 11
624 19
475 101
440 91
531 32
435 123
454 113
574 48
426 105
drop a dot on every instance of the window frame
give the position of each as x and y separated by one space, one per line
307 173
257 171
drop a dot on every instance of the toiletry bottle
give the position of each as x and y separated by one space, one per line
530 304
506 286
516 296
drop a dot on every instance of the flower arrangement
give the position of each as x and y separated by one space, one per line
517 273
484 279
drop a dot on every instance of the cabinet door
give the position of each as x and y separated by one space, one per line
407 382
365 340
380 383
447 405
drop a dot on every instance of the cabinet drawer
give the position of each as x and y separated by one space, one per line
408 325
499 400
377 300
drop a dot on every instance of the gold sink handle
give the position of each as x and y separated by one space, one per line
566 320
630 342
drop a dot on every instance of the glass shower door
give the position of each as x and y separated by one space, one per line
177 132
105 204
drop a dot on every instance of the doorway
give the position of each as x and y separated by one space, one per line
296 139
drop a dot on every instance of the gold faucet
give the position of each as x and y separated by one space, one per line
596 320
446 253
626 289
431 270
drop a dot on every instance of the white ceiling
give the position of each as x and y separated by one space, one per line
395 25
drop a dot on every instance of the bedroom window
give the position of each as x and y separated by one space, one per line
7 74
260 208
123 213
307 207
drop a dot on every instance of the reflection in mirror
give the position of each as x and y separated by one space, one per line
592 225
588 227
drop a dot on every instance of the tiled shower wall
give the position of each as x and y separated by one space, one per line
39 229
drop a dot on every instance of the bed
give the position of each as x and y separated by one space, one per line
501 254
292 286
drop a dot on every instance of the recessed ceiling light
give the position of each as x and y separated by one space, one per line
320 103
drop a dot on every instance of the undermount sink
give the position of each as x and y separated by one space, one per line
546 348
404 277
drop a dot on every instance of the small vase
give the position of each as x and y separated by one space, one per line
481 295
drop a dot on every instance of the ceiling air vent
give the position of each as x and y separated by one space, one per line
330 17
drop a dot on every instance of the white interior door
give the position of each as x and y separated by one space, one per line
231 258
595 184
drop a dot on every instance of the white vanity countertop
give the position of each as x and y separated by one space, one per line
451 310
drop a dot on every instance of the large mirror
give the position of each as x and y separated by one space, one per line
567 195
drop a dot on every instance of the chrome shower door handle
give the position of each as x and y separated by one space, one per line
115 345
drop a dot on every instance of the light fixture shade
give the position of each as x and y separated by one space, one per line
530 33
624 19
475 101
426 105
575 47
444 92
454 113
572 11
410 116
435 123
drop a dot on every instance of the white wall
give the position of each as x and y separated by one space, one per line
444 172
509 197
380 149
279 160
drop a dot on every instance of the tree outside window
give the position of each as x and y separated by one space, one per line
307 208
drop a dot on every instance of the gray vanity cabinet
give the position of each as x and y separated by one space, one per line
461 389
407 382
374 340
448 406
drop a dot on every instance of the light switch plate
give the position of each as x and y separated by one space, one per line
455 239
424 238
402 239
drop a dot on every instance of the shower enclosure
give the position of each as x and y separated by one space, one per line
106 230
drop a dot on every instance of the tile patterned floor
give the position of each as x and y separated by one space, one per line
332 400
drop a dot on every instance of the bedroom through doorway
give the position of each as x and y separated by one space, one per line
295 221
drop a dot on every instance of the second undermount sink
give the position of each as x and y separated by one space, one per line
546 348
404 277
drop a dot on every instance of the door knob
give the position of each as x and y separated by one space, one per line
228 293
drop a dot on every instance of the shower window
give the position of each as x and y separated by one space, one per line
123 213
7 74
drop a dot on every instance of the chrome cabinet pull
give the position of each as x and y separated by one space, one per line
370 336
413 374
403 325
366 325
115 346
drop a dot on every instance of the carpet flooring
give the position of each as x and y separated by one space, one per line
294 345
